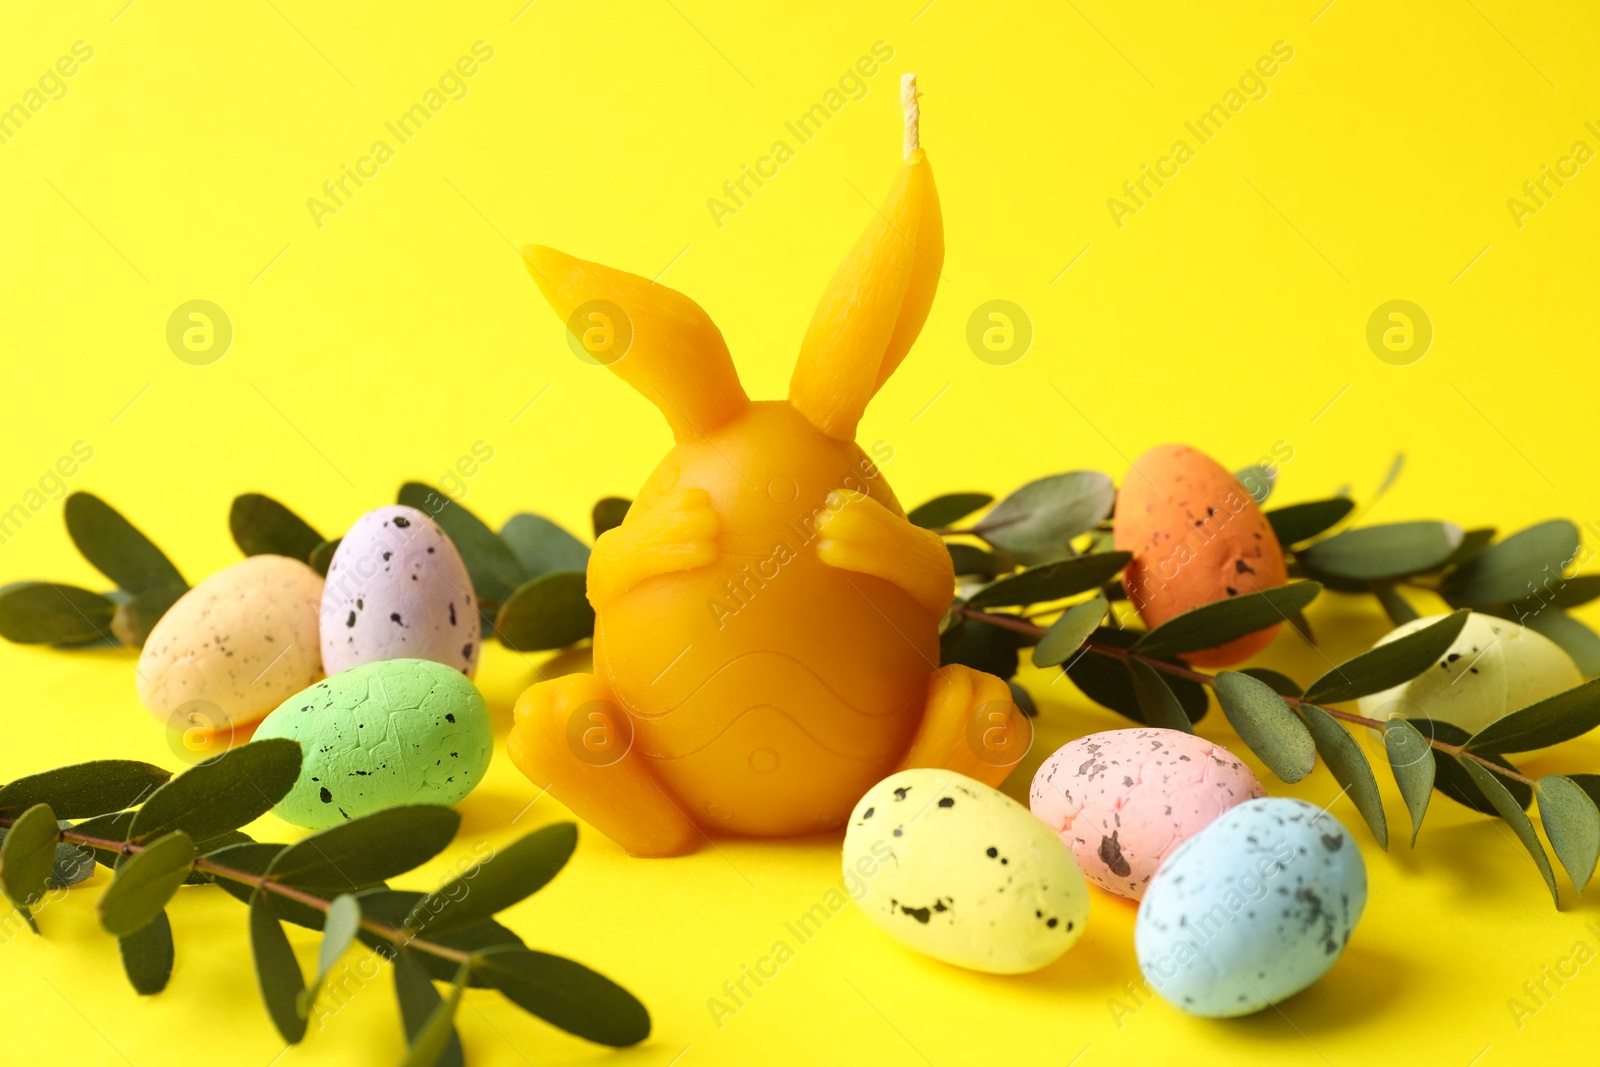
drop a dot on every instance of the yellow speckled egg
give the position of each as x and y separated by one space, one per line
1197 536
244 640
961 872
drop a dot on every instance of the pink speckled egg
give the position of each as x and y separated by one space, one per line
1123 800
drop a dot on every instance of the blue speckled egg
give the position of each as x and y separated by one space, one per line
402 731
1252 909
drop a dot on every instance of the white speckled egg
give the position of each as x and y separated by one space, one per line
1123 800
244 640
397 589
1252 909
961 872
1494 667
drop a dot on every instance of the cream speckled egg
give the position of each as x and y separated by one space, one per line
244 640
961 872
1494 667
1123 800
397 589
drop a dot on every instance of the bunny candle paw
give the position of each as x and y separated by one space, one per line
676 533
859 534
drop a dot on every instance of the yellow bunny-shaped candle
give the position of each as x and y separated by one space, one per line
766 639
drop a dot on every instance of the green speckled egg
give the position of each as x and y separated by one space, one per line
400 731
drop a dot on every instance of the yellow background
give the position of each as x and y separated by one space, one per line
1229 313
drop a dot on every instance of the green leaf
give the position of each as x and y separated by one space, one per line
1258 481
418 1002
144 882
1378 553
28 855
1509 810
947 510
1267 725
542 547
510 875
1105 679
1472 542
261 526
368 850
1221 621
48 613
338 931
1068 633
1571 592
223 793
277 971
1520 565
1037 523
490 562
1551 721
135 618
438 1030
1456 783
255 858
1411 760
1397 607
969 559
1023 700
566 994
1350 768
1392 475
1157 702
1281 684
1301 522
97 787
608 513
983 647
1390 664
1572 823
1574 638
321 557
147 955
393 907
73 863
552 611
115 548
1051 581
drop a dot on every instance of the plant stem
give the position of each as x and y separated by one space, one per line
399 938
1013 623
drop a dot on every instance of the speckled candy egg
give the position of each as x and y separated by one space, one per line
1197 536
1252 909
959 871
242 641
1124 800
397 589
1494 667
400 731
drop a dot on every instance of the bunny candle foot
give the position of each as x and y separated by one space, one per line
970 725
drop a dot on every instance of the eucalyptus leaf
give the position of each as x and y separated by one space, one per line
1412 761
1037 523
339 930
144 882
48 613
1516 567
1295 523
147 955
1379 553
97 787
438 1031
1574 638
947 510
513 873
418 1001
608 513
1572 823
277 971
1551 721
1222 621
223 793
392 907
1105 679
566 994
969 559
1267 725
1350 768
1023 700
1389 664
109 827
136 617
1051 581
1453 781
255 858
1279 683
1509 810
28 855
490 562
115 548
1157 703
983 647
1396 606
321 557
1392 475
367 851
1258 480
1068 633
1571 592
542 547
552 611
1472 542
261 527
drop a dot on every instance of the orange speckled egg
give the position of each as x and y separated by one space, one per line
1197 536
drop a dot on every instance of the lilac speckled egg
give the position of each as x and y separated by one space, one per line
1123 800
397 589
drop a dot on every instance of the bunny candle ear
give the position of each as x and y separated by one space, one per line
878 299
665 345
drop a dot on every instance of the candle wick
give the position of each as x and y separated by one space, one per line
913 112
